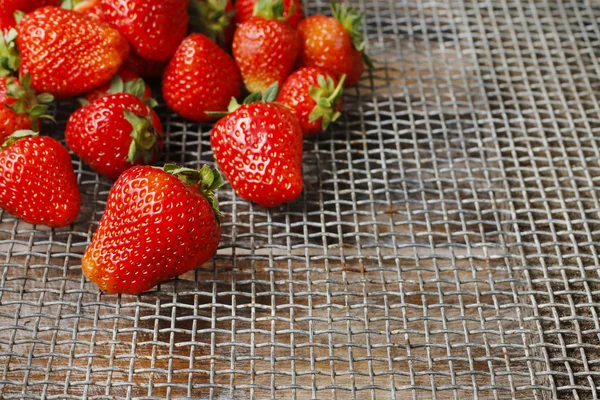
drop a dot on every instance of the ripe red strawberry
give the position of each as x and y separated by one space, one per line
145 68
314 97
9 7
114 133
201 77
334 44
37 181
245 10
213 18
258 146
20 107
153 27
265 49
125 81
68 53
158 224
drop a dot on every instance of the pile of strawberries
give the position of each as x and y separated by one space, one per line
162 222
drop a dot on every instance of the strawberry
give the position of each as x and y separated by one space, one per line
334 44
213 18
314 97
258 146
114 133
201 77
9 54
265 47
37 181
153 27
159 223
9 7
125 81
20 107
145 68
245 10
68 53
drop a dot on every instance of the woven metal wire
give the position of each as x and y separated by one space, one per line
444 247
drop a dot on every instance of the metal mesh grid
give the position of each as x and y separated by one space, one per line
444 246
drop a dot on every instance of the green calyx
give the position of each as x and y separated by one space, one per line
145 141
9 54
327 96
210 17
9 141
207 179
136 87
27 102
270 9
352 20
268 97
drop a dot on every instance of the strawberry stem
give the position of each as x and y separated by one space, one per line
210 18
145 138
272 9
27 102
9 141
9 54
268 97
207 179
327 96
352 20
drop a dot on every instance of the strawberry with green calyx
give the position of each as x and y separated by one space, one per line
258 147
265 47
37 181
292 11
114 133
20 107
213 18
314 97
125 81
335 44
159 223
9 54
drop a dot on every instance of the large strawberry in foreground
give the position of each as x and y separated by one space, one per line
265 47
201 77
153 27
68 53
258 146
335 44
158 224
37 181
115 132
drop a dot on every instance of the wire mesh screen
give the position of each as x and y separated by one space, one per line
444 246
